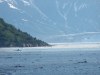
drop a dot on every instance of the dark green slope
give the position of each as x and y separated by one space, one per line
12 37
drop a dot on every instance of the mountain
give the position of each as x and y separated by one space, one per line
78 37
12 37
55 20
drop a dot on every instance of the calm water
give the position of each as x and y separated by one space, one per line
61 62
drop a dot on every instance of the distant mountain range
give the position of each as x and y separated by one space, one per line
55 20
12 37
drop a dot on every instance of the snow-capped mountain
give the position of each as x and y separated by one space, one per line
55 20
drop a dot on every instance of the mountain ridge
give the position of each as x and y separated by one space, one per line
12 37
51 18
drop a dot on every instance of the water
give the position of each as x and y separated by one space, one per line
51 62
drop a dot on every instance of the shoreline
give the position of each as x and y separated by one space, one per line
56 47
64 45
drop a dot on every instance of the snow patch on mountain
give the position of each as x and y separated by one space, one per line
26 2
74 34
61 11
79 7
84 33
11 3
25 20
12 6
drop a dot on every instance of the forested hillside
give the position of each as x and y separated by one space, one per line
12 37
